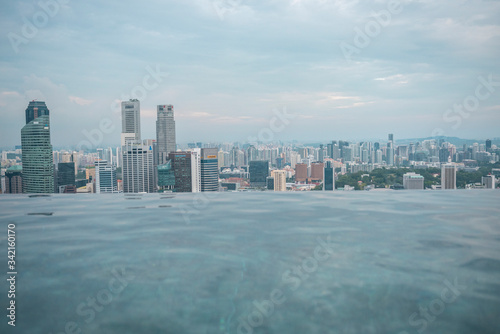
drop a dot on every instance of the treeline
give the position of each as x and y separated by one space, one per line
385 178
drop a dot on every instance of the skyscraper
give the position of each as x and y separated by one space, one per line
131 121
165 132
209 170
37 160
181 164
488 145
196 170
448 176
36 109
65 174
138 168
329 177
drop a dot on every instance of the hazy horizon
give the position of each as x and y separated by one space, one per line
232 63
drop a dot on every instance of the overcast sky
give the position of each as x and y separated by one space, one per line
232 63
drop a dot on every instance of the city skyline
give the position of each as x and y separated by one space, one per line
229 67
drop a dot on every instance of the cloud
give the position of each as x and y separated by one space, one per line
80 100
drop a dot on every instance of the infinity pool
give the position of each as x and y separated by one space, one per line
315 262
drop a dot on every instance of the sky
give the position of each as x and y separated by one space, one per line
232 68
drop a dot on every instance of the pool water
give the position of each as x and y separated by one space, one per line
263 262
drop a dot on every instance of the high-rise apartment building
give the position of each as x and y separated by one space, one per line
448 176
37 159
131 121
165 132
279 177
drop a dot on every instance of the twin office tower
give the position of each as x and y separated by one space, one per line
150 165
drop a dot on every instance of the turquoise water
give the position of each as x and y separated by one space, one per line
360 262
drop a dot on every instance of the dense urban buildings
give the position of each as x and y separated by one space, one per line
37 163
149 166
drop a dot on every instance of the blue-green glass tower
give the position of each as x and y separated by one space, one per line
38 168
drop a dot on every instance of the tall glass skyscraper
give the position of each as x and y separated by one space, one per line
36 109
165 132
38 168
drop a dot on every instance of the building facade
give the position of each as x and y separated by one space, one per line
259 171
165 132
413 181
14 180
131 121
37 159
279 177
138 170
181 164
209 170
105 177
448 177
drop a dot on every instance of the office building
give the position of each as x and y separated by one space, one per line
329 177
413 181
165 132
301 172
448 177
36 109
14 180
37 159
488 145
279 177
270 183
259 171
105 177
138 170
488 181
66 174
166 177
131 122
209 170
181 164
317 170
